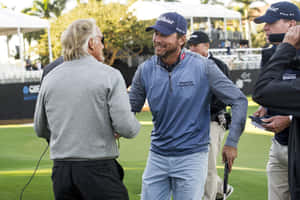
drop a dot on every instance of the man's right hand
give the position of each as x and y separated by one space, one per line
260 112
277 123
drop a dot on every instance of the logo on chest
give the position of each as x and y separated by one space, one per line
185 83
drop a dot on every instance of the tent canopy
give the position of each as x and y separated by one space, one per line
149 10
11 21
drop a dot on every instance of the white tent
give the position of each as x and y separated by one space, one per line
145 10
12 22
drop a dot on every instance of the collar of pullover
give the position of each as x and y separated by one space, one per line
169 68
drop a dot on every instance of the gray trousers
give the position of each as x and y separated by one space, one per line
277 171
214 183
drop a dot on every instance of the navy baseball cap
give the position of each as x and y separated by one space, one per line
280 10
198 37
169 23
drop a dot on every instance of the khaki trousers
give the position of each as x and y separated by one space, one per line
277 171
214 183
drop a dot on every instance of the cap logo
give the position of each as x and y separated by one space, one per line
194 36
273 9
179 30
164 19
286 14
281 13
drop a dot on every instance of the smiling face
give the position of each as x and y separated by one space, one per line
167 45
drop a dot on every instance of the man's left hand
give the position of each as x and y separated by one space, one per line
229 154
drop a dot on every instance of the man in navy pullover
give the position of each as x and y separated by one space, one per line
178 86
278 19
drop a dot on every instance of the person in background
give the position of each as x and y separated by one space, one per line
199 43
28 64
38 64
278 19
82 107
52 66
178 85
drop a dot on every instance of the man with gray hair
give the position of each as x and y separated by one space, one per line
81 109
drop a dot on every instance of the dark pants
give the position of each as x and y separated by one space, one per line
88 180
294 159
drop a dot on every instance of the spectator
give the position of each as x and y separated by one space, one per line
28 63
52 65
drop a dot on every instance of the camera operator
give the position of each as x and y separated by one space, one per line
278 89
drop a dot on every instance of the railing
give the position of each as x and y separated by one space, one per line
21 76
243 58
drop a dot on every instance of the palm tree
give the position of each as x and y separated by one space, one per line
43 9
46 9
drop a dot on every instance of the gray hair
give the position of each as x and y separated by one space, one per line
75 38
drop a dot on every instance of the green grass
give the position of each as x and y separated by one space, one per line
20 149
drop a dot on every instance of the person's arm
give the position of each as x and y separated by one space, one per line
227 92
137 93
40 118
270 89
270 83
217 105
223 67
123 120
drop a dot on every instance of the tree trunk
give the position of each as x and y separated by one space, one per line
113 57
